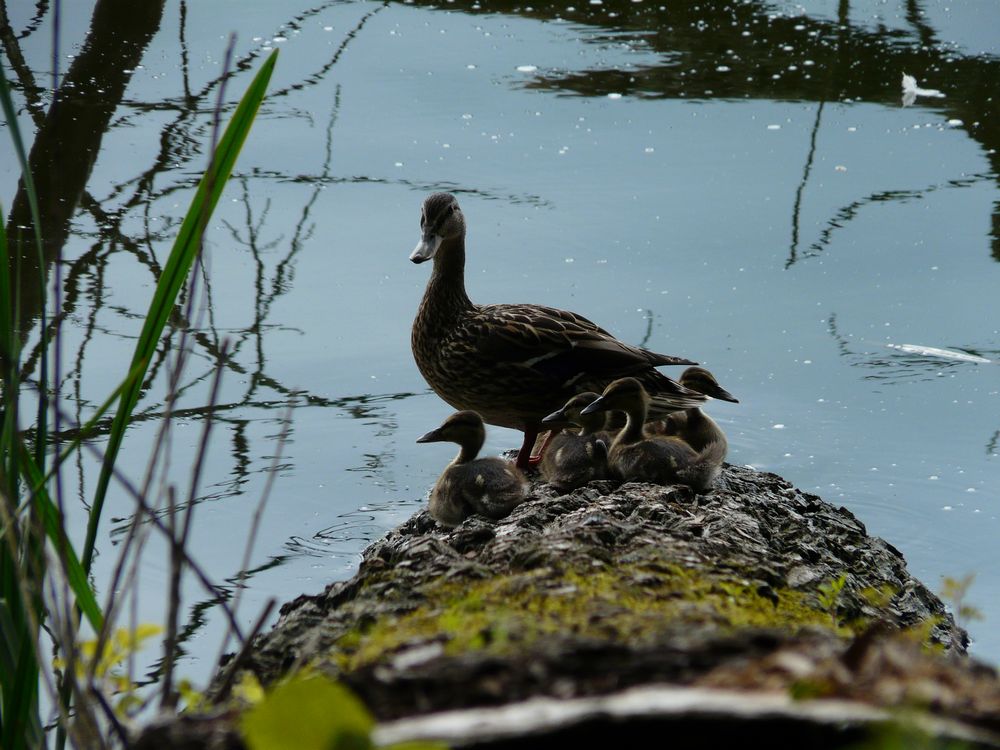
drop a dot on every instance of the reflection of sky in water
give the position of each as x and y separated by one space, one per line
782 244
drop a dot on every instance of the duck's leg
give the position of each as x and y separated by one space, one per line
524 455
545 444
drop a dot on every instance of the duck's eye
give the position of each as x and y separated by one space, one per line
423 221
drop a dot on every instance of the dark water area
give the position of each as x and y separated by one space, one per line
737 183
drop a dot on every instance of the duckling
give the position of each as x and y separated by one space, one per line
694 426
573 459
489 486
659 459
514 364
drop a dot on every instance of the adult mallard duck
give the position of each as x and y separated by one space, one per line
489 486
514 364
660 459
694 426
574 458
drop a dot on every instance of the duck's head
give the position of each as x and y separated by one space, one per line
624 394
463 427
440 219
701 380
571 412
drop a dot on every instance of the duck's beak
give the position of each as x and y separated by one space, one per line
434 436
722 394
556 416
426 248
595 406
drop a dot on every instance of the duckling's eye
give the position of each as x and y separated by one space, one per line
423 221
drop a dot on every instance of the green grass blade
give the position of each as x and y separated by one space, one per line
7 645
26 729
56 532
184 251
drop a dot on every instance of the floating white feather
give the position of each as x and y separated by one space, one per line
933 351
911 91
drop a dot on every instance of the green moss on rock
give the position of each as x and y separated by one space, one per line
631 603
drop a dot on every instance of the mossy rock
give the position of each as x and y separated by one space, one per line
608 587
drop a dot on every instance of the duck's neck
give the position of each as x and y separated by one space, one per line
468 450
445 293
636 418
592 423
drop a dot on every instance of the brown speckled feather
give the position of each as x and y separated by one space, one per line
516 363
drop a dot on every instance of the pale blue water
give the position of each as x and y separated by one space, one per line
782 231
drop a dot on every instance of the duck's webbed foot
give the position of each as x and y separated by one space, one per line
524 458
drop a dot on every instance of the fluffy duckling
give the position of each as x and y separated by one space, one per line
659 459
515 363
573 459
489 486
694 426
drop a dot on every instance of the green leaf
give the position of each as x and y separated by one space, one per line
56 532
182 255
308 713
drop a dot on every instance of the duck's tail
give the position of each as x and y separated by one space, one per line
703 470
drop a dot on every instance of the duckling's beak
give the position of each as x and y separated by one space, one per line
426 248
722 394
594 406
434 436
556 416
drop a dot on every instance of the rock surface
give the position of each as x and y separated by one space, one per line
756 587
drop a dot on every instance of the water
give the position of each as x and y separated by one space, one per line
735 183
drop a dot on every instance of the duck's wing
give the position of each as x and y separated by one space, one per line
557 343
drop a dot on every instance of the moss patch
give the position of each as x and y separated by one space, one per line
630 603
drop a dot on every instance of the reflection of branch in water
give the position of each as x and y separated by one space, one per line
182 42
831 327
264 299
365 407
199 612
649 329
991 445
178 131
110 226
318 76
915 17
32 92
848 212
797 207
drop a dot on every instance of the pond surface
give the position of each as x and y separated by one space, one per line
738 183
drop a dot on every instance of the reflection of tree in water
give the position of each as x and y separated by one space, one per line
67 143
749 50
65 149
